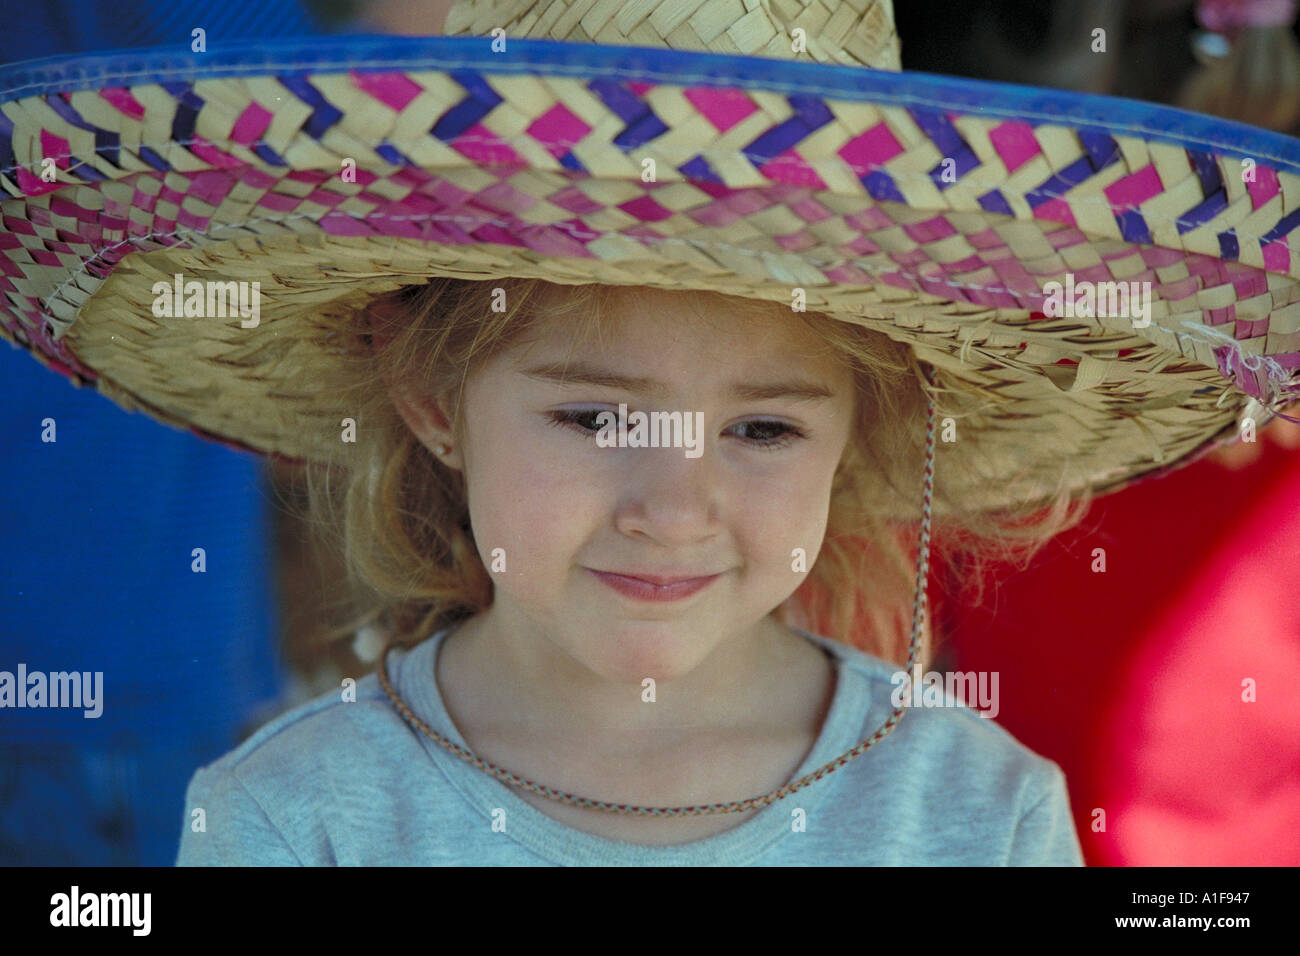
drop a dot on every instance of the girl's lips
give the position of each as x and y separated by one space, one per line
646 591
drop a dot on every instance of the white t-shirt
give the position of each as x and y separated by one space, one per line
351 783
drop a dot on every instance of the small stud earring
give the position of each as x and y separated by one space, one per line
441 449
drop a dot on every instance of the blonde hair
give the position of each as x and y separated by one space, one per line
397 521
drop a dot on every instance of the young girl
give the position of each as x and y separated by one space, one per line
567 670
628 490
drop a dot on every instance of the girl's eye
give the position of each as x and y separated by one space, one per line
584 422
574 420
784 434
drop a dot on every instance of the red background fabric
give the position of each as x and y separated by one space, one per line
1132 679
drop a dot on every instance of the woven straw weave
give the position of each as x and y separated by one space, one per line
479 174
851 32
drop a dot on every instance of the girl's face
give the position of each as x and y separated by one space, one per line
550 507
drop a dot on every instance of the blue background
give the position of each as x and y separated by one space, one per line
95 558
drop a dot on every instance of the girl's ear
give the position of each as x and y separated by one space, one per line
428 421
423 413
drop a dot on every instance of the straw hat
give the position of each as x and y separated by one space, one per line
788 152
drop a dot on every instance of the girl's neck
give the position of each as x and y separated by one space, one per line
506 683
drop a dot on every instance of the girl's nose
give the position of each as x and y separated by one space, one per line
671 497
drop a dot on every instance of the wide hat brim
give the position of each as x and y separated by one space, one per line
931 209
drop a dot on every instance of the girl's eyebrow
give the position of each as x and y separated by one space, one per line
581 373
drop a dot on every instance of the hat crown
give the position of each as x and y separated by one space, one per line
848 32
